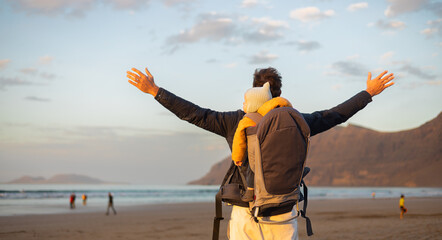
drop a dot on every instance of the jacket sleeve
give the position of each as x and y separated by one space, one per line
321 121
221 123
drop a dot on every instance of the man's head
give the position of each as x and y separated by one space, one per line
270 75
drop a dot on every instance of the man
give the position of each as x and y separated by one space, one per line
110 204
225 124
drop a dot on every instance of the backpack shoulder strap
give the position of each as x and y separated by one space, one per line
218 216
308 223
256 117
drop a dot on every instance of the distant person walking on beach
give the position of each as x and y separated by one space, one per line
225 124
402 206
110 204
84 197
72 200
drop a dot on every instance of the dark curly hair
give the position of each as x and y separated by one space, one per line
270 75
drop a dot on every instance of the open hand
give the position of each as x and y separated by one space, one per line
142 81
378 84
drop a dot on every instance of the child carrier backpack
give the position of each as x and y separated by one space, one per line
277 150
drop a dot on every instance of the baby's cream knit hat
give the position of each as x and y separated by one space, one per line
256 97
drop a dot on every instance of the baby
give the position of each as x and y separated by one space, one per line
254 98
259 100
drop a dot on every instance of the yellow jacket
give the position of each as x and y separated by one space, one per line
239 146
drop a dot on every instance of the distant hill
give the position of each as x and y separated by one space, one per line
59 179
357 156
216 173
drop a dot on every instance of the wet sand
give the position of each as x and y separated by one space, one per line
331 219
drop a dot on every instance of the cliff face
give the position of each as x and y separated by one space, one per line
356 156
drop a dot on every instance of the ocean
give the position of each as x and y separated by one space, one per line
22 199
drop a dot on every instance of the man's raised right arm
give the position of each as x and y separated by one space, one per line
321 121
213 121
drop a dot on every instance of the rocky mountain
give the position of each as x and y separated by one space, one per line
59 179
357 156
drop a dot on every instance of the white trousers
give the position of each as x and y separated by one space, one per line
243 227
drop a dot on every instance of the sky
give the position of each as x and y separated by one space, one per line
66 105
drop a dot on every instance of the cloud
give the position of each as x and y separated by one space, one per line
8 82
124 153
212 27
434 83
398 7
390 25
48 76
435 27
353 57
4 62
78 8
249 3
336 87
128 4
264 29
262 57
417 72
170 3
357 6
212 60
231 65
29 71
37 99
387 55
45 59
306 46
54 7
435 7
310 14
34 71
349 68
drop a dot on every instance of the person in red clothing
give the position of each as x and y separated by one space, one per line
72 200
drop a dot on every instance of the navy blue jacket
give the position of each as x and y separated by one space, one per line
225 123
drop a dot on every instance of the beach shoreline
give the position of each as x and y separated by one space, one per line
331 219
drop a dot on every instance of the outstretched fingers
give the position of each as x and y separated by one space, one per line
142 81
133 83
382 74
388 78
132 76
140 75
137 71
148 73
387 81
379 83
388 85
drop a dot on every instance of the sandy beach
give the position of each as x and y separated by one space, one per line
332 219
